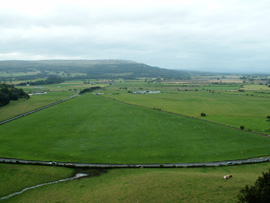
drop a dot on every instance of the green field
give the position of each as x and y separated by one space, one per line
151 185
65 86
14 178
95 129
105 129
222 107
24 105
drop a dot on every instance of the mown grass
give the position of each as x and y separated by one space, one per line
95 129
152 185
14 178
24 105
231 109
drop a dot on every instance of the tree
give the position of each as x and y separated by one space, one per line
259 193
203 114
242 127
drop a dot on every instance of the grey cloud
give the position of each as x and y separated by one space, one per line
234 35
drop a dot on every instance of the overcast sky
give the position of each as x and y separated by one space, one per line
206 35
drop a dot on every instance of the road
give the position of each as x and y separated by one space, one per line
159 165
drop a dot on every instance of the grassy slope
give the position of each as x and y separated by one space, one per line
99 130
36 101
234 110
14 178
152 185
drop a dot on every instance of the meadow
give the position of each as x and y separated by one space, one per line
151 185
233 108
95 129
65 86
55 92
14 178
36 101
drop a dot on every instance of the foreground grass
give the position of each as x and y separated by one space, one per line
231 109
14 178
152 185
94 129
15 108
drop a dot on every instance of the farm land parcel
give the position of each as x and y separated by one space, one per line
232 108
133 185
95 129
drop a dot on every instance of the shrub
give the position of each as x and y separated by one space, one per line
260 192
203 114
242 127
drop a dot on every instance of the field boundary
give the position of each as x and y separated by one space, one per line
253 132
138 165
36 110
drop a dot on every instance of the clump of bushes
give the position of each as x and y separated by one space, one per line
91 89
242 127
8 92
260 192
203 114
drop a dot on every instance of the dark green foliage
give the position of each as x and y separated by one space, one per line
8 92
268 117
49 80
4 99
203 114
91 89
242 127
259 193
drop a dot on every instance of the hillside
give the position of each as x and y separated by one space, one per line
81 69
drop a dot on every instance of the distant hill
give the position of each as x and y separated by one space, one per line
80 69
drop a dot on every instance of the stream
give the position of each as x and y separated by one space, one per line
77 176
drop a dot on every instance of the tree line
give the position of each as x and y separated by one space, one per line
91 89
49 80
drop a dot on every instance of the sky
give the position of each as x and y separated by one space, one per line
203 35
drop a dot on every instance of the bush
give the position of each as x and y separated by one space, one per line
268 117
203 114
260 192
242 127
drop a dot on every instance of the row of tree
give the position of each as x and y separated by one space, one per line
8 92
49 80
91 89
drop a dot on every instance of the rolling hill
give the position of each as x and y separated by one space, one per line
95 69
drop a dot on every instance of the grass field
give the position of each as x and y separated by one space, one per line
14 178
65 86
231 109
95 129
151 185
24 105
